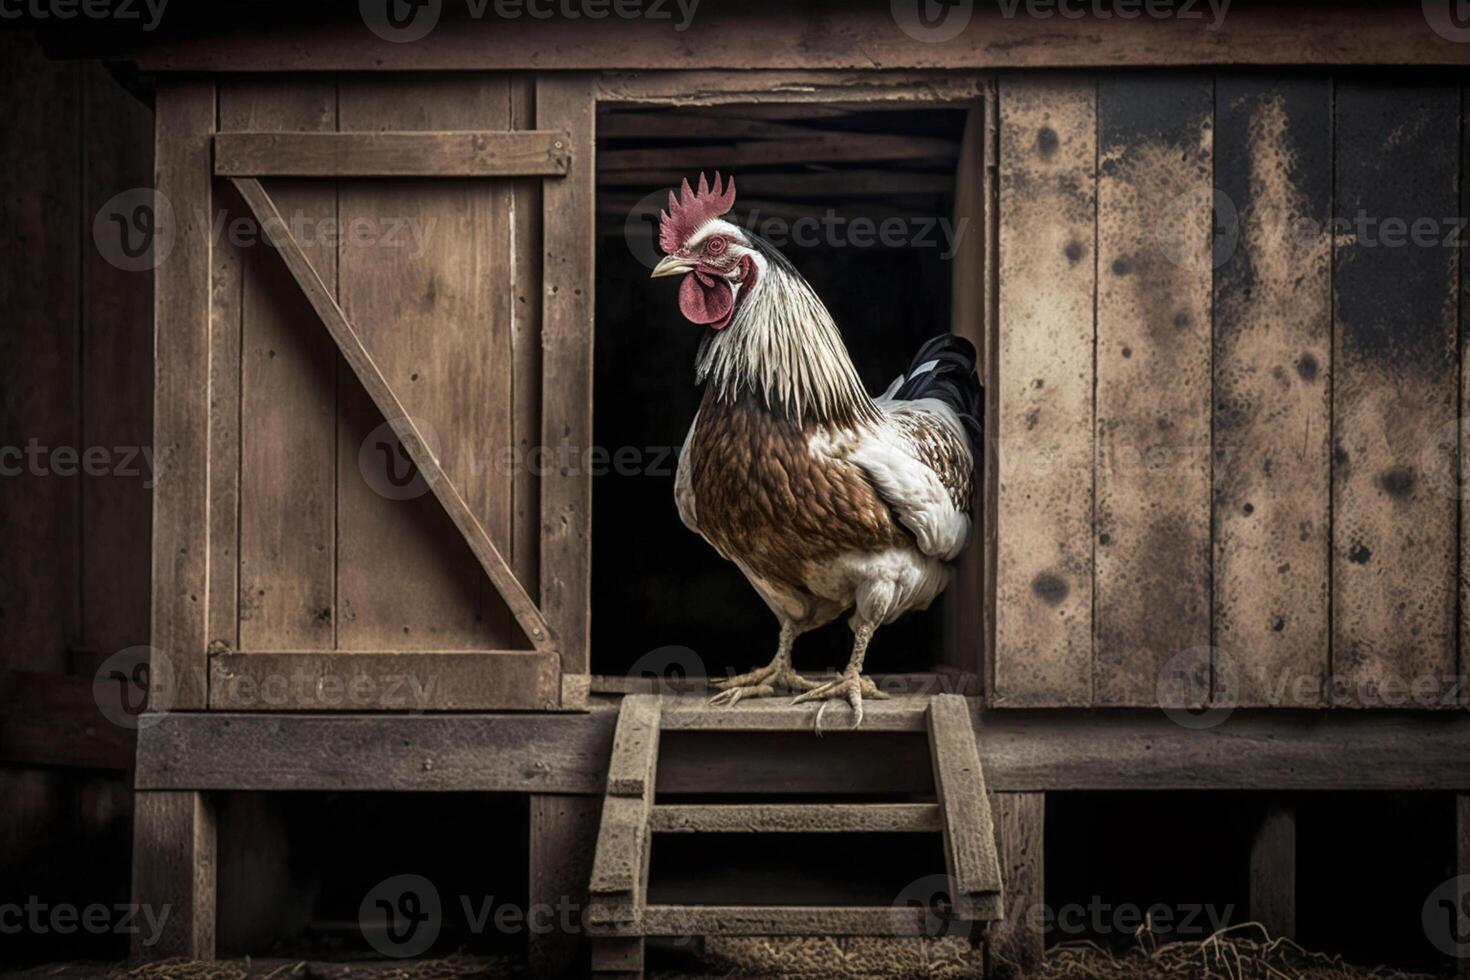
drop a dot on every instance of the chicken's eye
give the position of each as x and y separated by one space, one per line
715 245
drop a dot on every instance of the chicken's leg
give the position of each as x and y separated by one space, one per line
768 681
852 685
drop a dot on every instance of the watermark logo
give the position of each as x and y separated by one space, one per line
134 229
1450 19
1446 917
1196 688
1178 234
150 12
401 916
668 666
932 21
400 21
131 682
387 466
935 895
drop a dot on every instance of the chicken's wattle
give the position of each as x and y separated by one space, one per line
706 299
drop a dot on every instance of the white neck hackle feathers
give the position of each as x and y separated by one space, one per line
784 349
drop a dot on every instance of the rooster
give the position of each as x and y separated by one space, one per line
825 497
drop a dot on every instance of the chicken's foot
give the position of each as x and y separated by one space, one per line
852 686
776 677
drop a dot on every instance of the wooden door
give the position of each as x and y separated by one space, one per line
374 357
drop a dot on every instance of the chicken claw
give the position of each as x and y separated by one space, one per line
850 686
766 682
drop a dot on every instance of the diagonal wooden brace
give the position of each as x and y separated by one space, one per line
325 304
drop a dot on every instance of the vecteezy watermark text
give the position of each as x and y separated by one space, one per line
149 12
404 21
64 919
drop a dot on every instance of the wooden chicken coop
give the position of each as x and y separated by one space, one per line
1220 543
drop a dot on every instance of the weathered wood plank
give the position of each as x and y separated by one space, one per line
620 868
959 783
1272 384
830 818
1152 497
465 153
1019 940
525 355
432 304
790 920
286 414
174 868
461 680
846 37
514 753
693 714
568 239
1273 871
785 88
407 429
828 148
1048 216
966 638
184 116
1025 751
563 838
617 955
1395 385
635 747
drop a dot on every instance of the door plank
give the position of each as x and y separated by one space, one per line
287 412
434 312
1152 557
463 153
568 102
1272 384
404 427
1048 148
184 116
1395 384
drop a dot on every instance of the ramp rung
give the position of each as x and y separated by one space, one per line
834 818
789 920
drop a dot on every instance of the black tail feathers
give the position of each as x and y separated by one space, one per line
951 379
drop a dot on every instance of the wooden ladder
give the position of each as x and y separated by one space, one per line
619 917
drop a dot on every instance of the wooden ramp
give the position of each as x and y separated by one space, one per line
620 917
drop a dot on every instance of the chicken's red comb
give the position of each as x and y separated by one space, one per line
688 212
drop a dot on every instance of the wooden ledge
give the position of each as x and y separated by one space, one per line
1022 751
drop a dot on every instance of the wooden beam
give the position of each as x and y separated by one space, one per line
1019 940
828 818
635 747
1273 871
785 36
568 232
959 782
357 357
459 680
184 114
790 920
482 153
826 148
897 89
1025 751
563 832
174 875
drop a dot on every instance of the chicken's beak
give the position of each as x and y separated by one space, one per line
670 265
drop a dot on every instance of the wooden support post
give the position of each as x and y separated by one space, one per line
563 838
1273 871
173 875
1018 941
